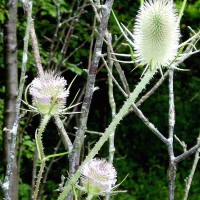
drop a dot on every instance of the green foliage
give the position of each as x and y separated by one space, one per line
24 191
28 147
3 12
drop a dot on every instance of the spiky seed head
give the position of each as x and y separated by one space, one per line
98 176
49 93
156 34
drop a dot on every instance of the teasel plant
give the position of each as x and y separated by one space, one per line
49 93
154 44
49 97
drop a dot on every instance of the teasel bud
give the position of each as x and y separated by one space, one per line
98 177
156 34
49 93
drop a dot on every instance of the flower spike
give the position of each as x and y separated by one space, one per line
156 34
98 177
49 93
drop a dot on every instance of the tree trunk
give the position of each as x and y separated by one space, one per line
10 50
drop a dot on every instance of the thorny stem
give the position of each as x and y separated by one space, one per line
172 164
34 171
189 179
75 156
42 166
40 149
67 145
47 170
36 50
18 105
129 102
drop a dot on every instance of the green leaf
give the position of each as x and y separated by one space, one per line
55 155
74 68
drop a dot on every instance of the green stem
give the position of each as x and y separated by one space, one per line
38 136
123 111
182 10
41 155
38 181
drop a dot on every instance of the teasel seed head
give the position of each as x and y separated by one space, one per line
49 93
98 177
156 34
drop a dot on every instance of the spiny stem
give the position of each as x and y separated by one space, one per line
39 178
41 155
147 77
39 136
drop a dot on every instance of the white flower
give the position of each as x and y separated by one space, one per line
98 177
156 34
49 93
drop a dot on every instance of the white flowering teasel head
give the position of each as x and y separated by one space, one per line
156 34
49 93
98 177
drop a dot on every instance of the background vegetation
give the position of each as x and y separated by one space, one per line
138 152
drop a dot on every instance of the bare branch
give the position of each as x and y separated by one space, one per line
65 138
75 156
113 78
182 143
18 104
111 100
187 153
172 164
189 179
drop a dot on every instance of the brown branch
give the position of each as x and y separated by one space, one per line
75 156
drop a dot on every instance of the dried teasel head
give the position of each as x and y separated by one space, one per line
156 34
98 177
49 93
